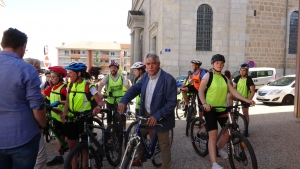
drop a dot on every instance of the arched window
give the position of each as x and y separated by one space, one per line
204 28
293 33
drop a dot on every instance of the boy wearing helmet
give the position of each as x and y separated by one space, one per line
57 93
245 86
194 84
215 94
77 101
114 87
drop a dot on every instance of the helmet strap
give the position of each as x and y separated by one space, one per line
216 70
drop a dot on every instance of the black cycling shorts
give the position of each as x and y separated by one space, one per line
192 89
73 129
245 104
213 117
59 127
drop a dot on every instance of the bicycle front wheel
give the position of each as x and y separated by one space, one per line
114 147
176 109
199 137
243 124
241 153
118 126
130 155
85 157
130 131
188 120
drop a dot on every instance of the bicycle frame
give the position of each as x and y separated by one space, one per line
138 137
64 144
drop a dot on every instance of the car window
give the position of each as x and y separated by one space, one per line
253 74
264 73
235 74
284 81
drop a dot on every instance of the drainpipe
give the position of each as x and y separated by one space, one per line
286 43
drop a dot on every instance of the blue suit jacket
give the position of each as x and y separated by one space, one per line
163 102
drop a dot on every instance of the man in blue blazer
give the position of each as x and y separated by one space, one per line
158 101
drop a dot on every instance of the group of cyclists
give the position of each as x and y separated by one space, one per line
70 97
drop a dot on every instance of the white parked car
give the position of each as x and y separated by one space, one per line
279 91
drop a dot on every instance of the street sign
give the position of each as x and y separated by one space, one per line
167 50
46 61
251 63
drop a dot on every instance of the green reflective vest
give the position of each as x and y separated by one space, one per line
55 96
78 102
114 88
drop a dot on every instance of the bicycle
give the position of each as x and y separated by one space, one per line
179 105
240 119
50 133
237 144
191 111
83 152
151 148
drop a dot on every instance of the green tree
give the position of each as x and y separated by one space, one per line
97 60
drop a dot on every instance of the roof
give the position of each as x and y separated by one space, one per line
136 12
125 46
92 46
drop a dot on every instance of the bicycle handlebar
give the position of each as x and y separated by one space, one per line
146 119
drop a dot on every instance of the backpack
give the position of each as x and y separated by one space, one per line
88 94
211 75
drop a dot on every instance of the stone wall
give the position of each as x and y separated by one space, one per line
266 34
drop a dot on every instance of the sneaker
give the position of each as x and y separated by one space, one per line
223 153
56 160
216 166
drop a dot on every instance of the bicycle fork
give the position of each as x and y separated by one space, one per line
129 144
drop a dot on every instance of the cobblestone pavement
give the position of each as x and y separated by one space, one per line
274 134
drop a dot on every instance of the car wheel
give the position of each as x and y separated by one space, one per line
288 100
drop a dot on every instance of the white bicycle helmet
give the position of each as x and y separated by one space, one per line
138 65
124 72
196 61
100 77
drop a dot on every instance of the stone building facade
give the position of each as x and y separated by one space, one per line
241 30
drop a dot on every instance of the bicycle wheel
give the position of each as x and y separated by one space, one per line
130 130
118 126
130 155
188 120
47 135
243 124
199 137
113 147
96 131
157 157
241 153
79 152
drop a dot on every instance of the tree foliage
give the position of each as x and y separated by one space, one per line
94 71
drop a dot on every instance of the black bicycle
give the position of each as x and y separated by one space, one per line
191 112
84 154
240 151
240 119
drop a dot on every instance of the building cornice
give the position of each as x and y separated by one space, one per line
135 21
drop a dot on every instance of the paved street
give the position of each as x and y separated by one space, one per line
274 134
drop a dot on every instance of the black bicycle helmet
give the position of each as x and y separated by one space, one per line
196 61
217 57
244 66
113 63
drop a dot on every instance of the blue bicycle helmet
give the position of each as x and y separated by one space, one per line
76 66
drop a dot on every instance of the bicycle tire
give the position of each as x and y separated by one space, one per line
48 135
113 147
240 142
157 159
199 137
130 130
97 133
77 150
118 126
242 123
129 155
188 120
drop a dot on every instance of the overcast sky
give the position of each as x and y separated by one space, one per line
56 21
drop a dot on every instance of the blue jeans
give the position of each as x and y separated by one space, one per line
20 157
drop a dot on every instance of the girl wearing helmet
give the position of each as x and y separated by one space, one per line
77 102
138 71
216 95
57 93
